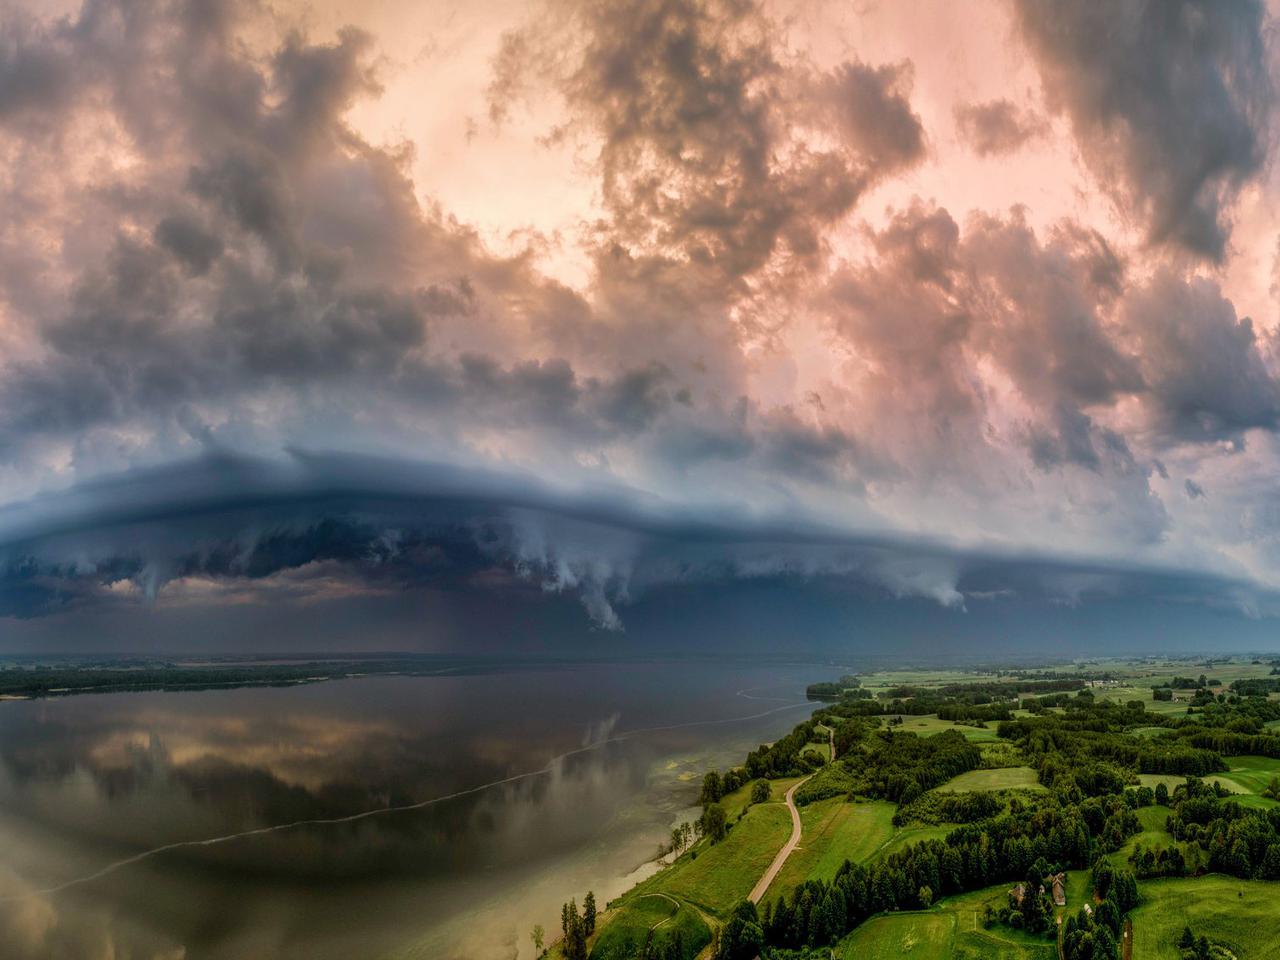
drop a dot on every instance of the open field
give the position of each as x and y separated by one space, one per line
1152 780
620 928
927 725
1153 834
1241 914
1251 774
704 886
1004 778
734 803
1247 778
834 831
914 833
952 930
724 873
822 749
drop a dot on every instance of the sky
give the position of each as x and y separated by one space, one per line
615 326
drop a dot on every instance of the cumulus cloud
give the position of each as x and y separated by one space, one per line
1170 104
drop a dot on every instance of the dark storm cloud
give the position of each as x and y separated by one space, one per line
1170 104
324 526
997 127
1204 370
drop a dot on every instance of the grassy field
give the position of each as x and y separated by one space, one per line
1153 834
706 886
1153 779
620 928
929 724
952 930
734 803
1250 774
1004 778
725 872
1241 914
834 831
905 836
1246 778
822 749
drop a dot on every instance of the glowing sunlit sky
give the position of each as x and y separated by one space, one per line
335 306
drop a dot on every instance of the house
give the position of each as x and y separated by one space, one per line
1059 889
1015 895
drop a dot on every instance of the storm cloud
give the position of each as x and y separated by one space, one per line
249 353
1171 105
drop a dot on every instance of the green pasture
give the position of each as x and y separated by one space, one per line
1002 778
1241 914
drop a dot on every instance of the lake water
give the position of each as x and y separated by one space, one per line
89 781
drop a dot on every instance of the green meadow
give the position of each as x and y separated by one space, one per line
1246 778
951 930
834 830
1004 778
929 724
620 929
1241 914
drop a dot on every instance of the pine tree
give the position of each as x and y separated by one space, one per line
589 913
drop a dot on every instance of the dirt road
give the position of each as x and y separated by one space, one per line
785 852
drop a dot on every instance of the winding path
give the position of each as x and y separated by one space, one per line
758 891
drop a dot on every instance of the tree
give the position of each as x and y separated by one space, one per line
760 791
1187 940
589 913
575 934
742 936
712 789
537 937
715 822
925 896
1162 795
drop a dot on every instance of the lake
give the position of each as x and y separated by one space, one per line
600 761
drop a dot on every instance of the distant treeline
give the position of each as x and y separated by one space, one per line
846 686
61 681
1256 687
986 691
1194 683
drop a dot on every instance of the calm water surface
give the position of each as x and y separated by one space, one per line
87 781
